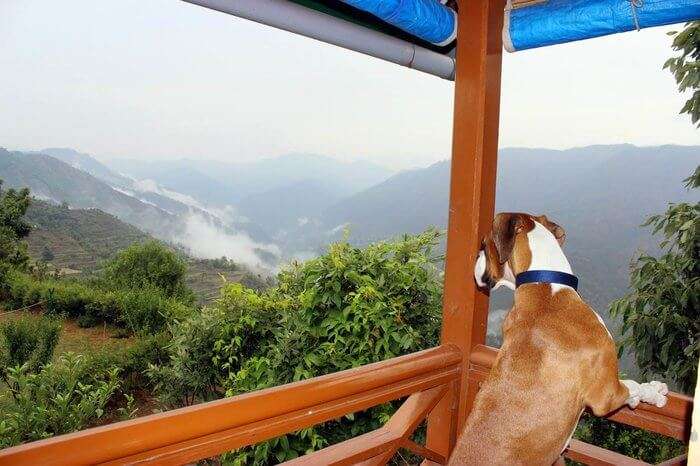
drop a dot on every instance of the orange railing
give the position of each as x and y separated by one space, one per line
196 432
202 431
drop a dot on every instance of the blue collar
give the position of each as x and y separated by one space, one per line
546 276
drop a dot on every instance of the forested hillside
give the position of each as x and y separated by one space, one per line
79 242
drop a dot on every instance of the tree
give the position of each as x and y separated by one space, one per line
150 264
686 67
47 254
13 226
661 316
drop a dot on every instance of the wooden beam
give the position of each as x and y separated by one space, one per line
379 446
420 450
595 456
472 195
680 460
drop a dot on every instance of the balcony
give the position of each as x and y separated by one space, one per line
426 378
438 384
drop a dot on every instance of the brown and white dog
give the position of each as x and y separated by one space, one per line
557 356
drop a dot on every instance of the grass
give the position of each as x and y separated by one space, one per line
86 341
79 340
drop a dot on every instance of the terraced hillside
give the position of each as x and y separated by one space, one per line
77 241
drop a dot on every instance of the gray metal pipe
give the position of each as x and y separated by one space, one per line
288 16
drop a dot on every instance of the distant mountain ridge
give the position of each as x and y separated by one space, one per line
51 179
240 180
600 194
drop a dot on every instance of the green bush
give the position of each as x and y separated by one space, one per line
14 226
211 344
145 309
63 397
148 310
27 341
347 308
19 288
149 264
68 298
147 351
630 441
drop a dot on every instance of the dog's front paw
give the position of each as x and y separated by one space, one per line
651 392
654 393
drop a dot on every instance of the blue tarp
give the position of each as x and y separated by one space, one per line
559 21
426 19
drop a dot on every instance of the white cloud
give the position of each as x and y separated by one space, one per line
208 241
151 186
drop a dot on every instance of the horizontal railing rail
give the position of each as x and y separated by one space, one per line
208 429
196 432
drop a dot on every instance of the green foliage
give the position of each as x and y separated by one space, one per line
47 254
13 227
148 350
630 441
150 264
28 342
661 316
63 397
686 67
356 306
347 308
213 343
146 309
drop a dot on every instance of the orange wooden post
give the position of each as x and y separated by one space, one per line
472 194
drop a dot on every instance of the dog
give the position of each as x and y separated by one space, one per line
557 357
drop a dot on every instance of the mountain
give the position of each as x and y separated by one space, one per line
408 202
289 206
599 194
86 163
51 179
78 241
232 183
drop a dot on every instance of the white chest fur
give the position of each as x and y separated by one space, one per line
546 253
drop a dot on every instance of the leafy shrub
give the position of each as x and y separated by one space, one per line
63 397
27 341
147 309
147 351
68 298
13 226
18 288
350 307
213 343
151 265
630 441
661 316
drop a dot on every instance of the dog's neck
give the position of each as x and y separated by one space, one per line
546 254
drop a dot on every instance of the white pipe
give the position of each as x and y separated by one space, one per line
289 16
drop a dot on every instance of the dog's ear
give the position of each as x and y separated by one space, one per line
556 230
505 227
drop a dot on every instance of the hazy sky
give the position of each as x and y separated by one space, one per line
166 79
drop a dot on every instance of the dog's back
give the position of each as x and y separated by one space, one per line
518 418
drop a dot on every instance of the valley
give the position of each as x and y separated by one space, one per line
264 214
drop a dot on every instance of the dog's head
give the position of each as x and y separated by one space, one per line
505 250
